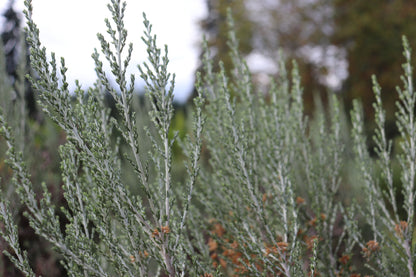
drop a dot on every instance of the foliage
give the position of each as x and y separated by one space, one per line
15 50
38 141
216 29
263 159
371 32
91 171
302 30
270 202
296 27
339 44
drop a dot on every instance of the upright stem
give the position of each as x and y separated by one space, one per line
167 180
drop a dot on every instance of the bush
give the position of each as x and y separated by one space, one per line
274 198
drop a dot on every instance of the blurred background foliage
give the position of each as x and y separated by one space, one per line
37 138
338 45
370 32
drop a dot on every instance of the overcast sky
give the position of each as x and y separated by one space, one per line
69 28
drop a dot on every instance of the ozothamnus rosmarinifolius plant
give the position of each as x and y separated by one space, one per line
111 232
269 201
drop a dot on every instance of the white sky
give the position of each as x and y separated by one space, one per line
69 28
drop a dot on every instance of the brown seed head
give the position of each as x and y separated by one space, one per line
300 200
132 258
344 259
165 229
401 228
155 233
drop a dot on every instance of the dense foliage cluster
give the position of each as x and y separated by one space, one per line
264 190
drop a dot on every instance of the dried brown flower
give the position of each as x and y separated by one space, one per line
300 200
344 259
401 228
165 229
372 246
132 258
212 244
155 233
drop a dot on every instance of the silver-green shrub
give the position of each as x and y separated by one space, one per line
274 174
110 230
390 247
272 199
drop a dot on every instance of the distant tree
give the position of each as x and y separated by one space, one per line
370 32
291 25
301 29
266 27
216 31
342 40
15 49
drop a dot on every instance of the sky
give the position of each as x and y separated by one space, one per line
69 28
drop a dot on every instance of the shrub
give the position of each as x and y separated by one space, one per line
144 229
272 200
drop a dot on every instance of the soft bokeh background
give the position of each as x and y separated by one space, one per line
69 29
